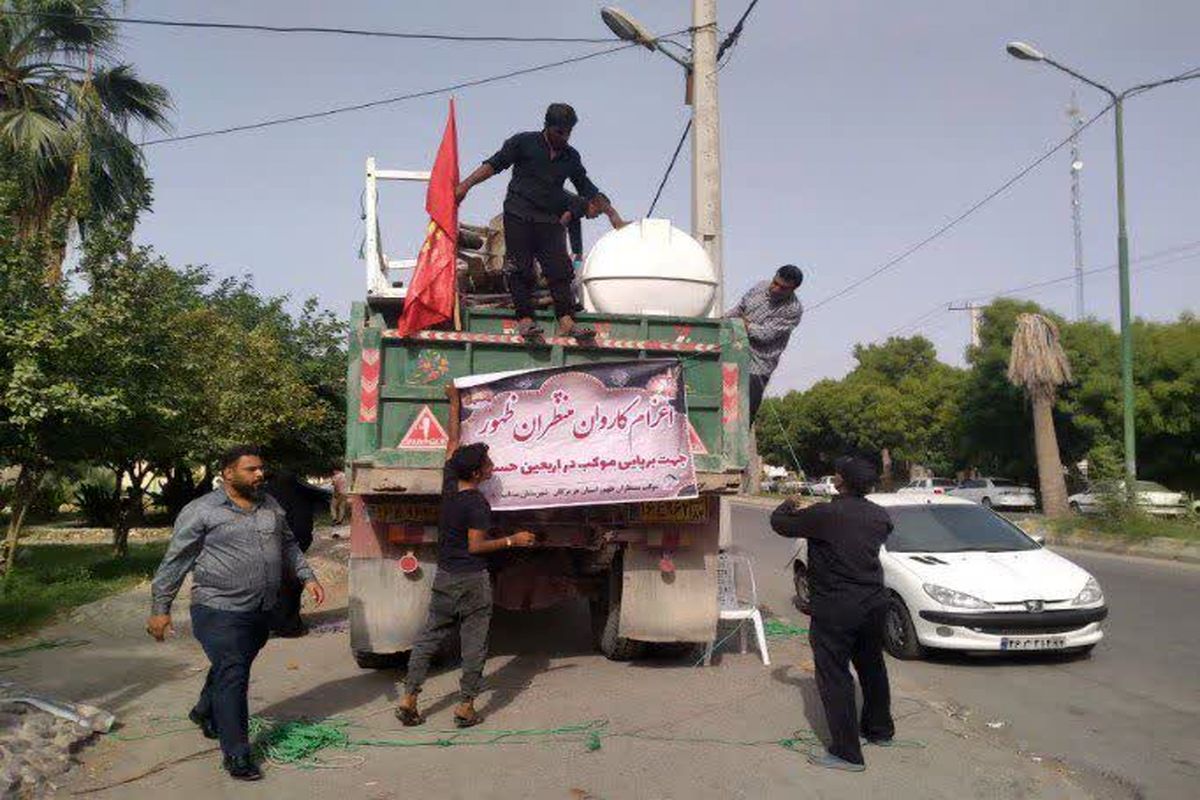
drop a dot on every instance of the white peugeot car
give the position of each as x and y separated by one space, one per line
961 577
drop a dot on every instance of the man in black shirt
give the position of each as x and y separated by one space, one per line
534 216
462 588
849 604
298 498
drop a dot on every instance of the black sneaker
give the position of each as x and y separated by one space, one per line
242 768
204 723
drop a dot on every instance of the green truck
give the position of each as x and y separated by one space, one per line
648 570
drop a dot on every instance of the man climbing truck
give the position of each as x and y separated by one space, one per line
647 569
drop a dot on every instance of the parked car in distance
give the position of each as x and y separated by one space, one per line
1152 498
996 493
823 486
927 486
961 577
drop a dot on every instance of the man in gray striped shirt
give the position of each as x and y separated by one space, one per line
771 312
236 543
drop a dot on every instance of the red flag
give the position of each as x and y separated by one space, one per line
430 298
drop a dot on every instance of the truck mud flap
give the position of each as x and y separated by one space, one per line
676 607
388 609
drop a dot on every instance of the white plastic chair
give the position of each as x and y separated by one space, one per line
737 598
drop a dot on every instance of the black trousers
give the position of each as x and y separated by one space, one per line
285 615
547 242
758 386
852 634
231 640
464 601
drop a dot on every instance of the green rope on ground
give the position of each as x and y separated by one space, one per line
781 629
43 644
297 741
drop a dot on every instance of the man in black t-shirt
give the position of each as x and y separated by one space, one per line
849 606
534 217
462 588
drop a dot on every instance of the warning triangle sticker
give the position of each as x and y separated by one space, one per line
425 433
695 443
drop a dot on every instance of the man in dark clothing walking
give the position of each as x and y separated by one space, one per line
237 544
534 214
848 604
299 499
462 588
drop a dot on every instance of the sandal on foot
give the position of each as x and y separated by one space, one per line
530 330
583 335
467 722
409 717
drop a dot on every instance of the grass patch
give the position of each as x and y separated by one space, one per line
1129 525
51 578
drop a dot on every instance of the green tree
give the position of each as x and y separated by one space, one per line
66 108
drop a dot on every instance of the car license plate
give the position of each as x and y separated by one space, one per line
672 511
1034 643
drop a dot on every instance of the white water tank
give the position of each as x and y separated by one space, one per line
649 267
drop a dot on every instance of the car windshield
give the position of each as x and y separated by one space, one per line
1151 486
953 529
1003 482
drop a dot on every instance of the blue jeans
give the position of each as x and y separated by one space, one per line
231 640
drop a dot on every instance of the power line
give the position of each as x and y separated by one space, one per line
1181 251
728 42
663 183
329 112
945 228
286 29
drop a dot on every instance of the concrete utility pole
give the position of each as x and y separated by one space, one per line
976 320
706 142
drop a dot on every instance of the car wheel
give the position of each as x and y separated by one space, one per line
899 635
986 502
1076 509
802 600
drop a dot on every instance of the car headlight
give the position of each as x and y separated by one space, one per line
1091 594
949 597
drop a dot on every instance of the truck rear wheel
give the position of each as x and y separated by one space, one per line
367 660
606 620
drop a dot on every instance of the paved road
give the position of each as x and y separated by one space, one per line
1131 711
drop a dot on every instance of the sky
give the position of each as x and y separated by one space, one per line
851 131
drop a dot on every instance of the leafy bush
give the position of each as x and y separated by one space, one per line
96 504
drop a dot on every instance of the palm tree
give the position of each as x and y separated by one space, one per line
66 108
1039 366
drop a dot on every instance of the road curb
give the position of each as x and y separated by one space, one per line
1162 548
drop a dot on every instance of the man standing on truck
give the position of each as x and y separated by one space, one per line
771 311
238 542
849 605
534 215
462 588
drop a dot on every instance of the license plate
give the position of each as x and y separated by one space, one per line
404 513
672 511
1034 643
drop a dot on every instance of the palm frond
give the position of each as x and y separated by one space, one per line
1038 364
32 134
127 98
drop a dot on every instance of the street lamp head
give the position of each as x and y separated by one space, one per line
626 27
1025 52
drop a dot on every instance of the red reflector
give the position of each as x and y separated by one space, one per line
409 563
666 565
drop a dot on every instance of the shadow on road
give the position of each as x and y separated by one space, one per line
809 697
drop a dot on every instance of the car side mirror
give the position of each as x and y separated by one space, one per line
1040 538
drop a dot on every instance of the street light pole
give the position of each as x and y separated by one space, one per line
706 142
1026 52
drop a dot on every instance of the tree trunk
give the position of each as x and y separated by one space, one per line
885 478
120 518
23 492
1049 463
